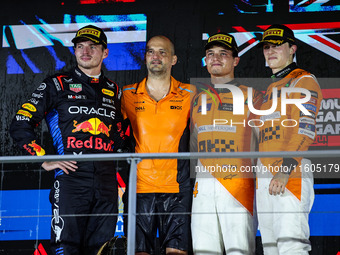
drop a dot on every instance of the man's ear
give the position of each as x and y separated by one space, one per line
106 53
174 60
236 61
293 49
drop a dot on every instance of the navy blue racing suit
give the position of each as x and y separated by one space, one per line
83 116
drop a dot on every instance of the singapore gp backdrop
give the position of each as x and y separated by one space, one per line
36 42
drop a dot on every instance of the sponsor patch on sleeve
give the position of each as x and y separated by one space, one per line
308 133
314 93
312 100
311 116
29 107
307 120
307 129
24 113
310 107
307 126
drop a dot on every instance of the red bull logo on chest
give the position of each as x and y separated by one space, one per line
94 126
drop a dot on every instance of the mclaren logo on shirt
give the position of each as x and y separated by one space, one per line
139 102
176 100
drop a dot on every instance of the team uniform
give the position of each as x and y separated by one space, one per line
223 199
163 186
83 116
283 220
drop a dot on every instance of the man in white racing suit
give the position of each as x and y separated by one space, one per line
223 200
285 192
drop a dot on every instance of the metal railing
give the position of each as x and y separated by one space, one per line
135 158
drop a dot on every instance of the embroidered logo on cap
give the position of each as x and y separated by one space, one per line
273 32
90 31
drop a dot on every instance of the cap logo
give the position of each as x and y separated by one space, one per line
273 32
278 42
219 37
90 31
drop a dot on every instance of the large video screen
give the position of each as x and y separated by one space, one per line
126 41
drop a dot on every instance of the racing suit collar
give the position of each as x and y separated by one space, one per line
282 73
86 79
225 90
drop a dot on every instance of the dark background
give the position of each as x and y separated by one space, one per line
183 22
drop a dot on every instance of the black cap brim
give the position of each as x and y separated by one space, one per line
84 37
275 42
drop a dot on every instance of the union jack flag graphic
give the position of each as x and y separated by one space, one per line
320 36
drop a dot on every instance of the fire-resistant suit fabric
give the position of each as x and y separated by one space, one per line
283 219
223 200
83 116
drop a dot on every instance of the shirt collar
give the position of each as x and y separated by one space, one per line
141 88
282 73
84 78
225 90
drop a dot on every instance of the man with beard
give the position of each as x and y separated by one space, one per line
82 111
158 108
